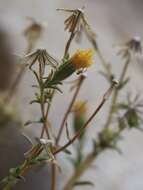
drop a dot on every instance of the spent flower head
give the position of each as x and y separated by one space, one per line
132 116
33 31
132 46
77 23
73 22
42 57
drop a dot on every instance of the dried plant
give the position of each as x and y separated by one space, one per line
127 114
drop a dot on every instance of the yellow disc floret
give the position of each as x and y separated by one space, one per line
80 107
82 58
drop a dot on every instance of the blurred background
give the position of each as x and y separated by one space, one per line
113 21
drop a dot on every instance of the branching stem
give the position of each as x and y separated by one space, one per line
104 99
116 94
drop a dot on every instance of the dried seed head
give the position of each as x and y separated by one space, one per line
32 34
134 44
73 21
131 47
34 31
42 57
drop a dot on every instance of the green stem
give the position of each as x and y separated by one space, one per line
116 94
80 131
86 163
18 78
46 114
79 171
80 82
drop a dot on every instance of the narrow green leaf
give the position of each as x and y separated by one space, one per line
122 85
87 183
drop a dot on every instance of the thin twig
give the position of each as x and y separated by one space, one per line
53 186
103 62
105 97
53 177
42 103
18 78
26 167
44 128
15 83
85 164
81 79
80 82
72 33
80 170
116 94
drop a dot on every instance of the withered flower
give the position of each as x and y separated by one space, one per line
32 33
42 57
77 23
132 116
132 46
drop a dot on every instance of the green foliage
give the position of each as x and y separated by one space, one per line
79 121
84 183
63 71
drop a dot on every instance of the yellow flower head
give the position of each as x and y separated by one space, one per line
82 58
80 107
